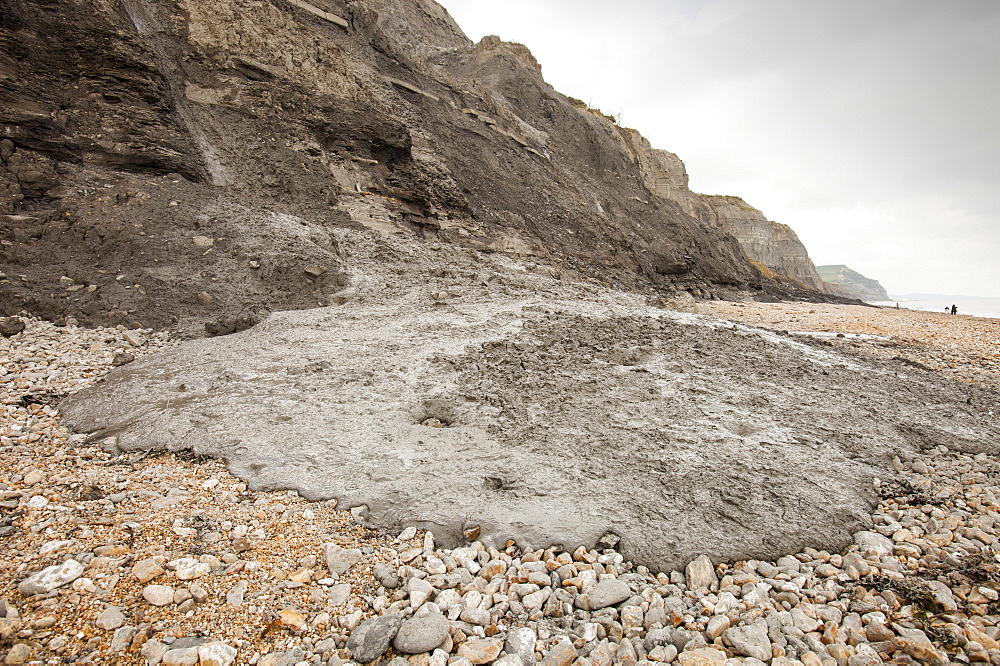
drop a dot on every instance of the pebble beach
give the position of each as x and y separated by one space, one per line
142 558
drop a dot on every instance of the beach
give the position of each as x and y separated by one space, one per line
143 558
961 347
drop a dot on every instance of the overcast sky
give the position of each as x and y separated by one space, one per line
871 127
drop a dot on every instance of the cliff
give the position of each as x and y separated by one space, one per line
773 245
854 284
182 163
773 248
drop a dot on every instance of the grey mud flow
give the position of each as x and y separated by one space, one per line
569 411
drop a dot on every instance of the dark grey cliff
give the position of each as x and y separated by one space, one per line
182 163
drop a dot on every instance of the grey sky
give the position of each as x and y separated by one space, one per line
871 127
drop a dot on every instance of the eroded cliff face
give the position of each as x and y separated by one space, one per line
182 162
771 244
774 248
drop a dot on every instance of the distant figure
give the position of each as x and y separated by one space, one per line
897 306
954 309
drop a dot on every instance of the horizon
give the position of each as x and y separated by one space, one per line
889 166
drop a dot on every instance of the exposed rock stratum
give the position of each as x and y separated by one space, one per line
182 163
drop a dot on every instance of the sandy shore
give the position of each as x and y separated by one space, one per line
168 559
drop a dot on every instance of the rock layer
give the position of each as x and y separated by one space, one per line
133 128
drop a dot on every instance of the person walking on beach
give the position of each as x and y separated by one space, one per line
954 309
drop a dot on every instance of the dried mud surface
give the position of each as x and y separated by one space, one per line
491 394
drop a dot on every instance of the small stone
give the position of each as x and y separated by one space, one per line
561 654
608 592
703 657
339 594
135 338
122 639
420 591
339 559
716 625
942 595
188 568
422 633
111 618
916 644
153 651
867 541
51 578
386 575
372 637
158 595
216 654
481 650
493 568
198 593
205 298
33 477
700 573
314 271
146 570
749 641
10 326
121 358
877 632
521 642
180 657
203 241
235 595
291 619
18 654
476 616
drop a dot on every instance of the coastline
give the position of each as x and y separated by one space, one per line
269 578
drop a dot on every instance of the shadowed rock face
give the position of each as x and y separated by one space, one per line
541 410
132 127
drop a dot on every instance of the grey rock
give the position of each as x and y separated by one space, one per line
942 595
111 618
873 541
521 643
234 597
749 641
700 573
158 595
339 594
180 656
10 326
288 658
122 639
339 559
421 634
122 358
386 575
373 637
675 636
510 660
51 578
608 593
